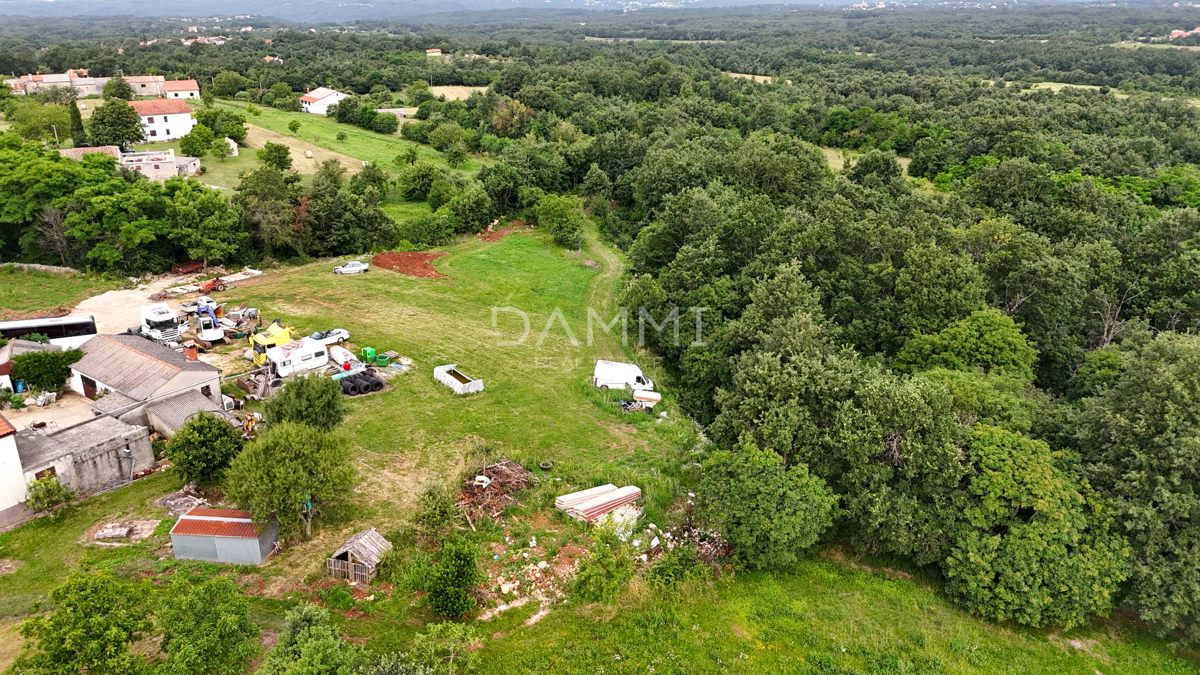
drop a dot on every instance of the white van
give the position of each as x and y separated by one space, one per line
610 374
297 356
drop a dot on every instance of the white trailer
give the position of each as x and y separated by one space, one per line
297 356
613 374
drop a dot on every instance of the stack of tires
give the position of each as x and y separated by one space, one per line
360 383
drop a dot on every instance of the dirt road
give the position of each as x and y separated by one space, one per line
116 311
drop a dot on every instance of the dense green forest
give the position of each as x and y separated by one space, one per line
977 338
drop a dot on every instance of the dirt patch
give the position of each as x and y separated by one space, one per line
497 234
455 93
257 137
411 263
52 313
8 566
838 557
116 311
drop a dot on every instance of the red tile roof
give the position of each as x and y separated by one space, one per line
309 99
217 523
182 85
160 107
6 429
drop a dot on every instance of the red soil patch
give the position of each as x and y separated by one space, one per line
496 235
410 263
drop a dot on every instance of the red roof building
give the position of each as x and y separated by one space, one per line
182 89
223 535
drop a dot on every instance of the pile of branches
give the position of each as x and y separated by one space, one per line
506 477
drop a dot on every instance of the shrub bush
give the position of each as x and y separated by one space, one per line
603 575
47 371
456 574
47 493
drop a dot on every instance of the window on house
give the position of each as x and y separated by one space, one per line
153 132
45 472
149 120
168 132
206 390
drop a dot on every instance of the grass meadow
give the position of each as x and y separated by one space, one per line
23 291
834 613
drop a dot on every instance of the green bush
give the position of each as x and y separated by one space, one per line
47 371
313 400
47 493
603 575
337 597
770 512
436 511
204 447
455 576
677 566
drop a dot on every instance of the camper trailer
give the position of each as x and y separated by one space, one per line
297 356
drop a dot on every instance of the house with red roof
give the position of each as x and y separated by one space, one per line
182 89
320 99
165 119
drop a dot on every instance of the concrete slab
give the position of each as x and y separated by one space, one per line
70 408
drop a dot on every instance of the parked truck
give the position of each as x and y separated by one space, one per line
160 323
613 374
275 335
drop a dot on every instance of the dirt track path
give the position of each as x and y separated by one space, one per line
257 137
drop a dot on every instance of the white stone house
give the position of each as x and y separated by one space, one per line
164 120
320 99
182 89
135 374
12 477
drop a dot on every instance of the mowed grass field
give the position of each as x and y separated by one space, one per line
360 143
830 614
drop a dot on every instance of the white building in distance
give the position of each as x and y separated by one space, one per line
318 100
182 89
164 119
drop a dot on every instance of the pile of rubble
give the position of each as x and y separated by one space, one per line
490 492
184 500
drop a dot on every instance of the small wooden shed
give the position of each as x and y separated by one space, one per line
358 559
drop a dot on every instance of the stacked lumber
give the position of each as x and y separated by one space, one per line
574 499
591 504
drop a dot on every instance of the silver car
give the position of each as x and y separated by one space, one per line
353 267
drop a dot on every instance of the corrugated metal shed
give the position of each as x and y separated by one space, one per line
222 535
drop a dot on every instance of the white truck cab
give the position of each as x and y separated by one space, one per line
160 323
613 374
297 356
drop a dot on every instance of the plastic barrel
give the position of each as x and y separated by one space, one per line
368 354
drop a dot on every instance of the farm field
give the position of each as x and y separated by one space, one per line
830 614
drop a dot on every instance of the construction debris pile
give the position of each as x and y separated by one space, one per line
489 492
184 500
594 502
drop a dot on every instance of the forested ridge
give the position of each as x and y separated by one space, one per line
982 358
